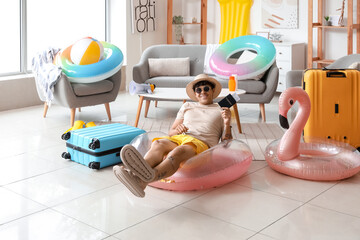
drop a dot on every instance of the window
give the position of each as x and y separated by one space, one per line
59 23
10 36
47 23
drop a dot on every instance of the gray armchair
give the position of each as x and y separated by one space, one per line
260 92
294 78
77 95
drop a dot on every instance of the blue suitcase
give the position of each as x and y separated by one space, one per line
99 146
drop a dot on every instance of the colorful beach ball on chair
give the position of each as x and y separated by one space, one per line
86 51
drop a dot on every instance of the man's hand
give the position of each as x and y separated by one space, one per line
177 127
181 128
226 115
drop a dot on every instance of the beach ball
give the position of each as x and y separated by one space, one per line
86 51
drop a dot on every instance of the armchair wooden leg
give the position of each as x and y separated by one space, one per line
46 107
107 107
262 111
79 109
156 103
72 116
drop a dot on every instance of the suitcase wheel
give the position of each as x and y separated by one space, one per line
95 143
66 136
94 165
66 155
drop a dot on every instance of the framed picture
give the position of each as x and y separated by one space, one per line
143 15
263 34
280 14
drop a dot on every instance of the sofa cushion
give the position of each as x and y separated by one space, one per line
85 89
250 86
171 81
169 67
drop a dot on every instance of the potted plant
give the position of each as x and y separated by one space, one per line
178 22
327 21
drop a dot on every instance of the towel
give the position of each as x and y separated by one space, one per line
46 73
210 49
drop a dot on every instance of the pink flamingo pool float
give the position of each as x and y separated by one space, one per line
312 158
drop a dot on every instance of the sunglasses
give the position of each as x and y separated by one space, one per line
199 89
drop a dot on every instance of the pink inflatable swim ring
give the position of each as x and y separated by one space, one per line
214 167
312 158
265 57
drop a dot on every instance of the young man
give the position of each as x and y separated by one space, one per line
197 127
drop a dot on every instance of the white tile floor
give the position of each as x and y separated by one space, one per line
43 196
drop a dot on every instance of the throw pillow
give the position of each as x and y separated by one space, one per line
169 67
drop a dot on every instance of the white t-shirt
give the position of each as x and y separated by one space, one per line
203 121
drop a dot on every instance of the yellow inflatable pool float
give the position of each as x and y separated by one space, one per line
235 17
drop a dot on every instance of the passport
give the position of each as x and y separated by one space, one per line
229 100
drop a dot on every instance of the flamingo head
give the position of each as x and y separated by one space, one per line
287 100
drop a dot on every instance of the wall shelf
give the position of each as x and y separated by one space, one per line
318 25
202 23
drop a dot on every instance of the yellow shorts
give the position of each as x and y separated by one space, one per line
182 139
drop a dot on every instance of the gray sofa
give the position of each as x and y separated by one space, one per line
294 77
260 92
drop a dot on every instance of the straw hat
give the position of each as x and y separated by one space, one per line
203 77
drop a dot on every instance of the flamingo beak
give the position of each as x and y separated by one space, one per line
283 121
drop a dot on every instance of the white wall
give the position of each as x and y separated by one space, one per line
18 93
138 42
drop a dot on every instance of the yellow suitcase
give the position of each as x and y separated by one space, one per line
335 104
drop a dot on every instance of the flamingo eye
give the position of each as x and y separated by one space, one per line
291 102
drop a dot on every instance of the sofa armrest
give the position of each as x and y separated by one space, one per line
64 93
116 80
141 72
271 81
294 78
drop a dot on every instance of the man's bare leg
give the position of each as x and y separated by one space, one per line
159 149
166 168
173 160
155 156
143 167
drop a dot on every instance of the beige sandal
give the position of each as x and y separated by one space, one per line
129 180
133 161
